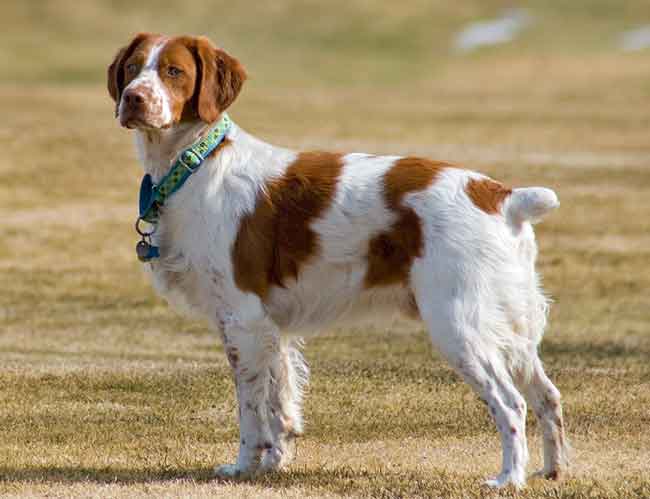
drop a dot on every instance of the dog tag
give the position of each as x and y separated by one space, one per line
146 251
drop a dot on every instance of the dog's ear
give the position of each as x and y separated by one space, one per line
219 80
115 72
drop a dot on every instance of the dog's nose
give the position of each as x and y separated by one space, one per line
133 98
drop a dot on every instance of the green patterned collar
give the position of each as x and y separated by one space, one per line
153 196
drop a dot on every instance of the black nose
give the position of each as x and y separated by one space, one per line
133 99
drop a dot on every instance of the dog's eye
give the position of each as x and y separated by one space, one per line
132 68
173 71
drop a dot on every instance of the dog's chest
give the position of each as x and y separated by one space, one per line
180 275
178 284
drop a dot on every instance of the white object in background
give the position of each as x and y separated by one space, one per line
493 32
635 39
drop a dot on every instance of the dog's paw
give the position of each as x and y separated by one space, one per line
272 460
555 475
279 456
231 472
506 479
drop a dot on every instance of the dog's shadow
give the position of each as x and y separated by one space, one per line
76 474
112 475
342 480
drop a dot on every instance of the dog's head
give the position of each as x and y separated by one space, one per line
157 81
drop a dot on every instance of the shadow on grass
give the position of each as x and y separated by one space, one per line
601 350
73 474
344 481
341 480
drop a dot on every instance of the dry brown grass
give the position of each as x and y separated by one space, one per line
106 393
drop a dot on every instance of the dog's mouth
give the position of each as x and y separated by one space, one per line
137 123
134 121
132 124
131 120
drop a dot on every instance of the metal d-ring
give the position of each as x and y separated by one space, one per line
143 233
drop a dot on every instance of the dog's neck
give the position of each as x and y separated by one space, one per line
158 148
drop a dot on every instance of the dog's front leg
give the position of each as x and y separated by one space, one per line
251 350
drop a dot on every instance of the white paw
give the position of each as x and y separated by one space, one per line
230 472
279 456
505 479
272 460
275 460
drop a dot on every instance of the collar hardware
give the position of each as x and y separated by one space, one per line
189 158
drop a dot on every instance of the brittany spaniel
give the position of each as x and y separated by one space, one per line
271 245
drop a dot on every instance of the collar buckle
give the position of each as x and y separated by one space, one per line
190 160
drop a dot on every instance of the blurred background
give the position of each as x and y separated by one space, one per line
366 62
538 92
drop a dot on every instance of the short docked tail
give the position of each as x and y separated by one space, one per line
529 204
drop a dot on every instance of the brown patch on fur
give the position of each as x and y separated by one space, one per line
487 195
221 77
276 240
391 253
210 82
179 53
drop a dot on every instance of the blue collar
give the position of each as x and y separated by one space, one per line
153 196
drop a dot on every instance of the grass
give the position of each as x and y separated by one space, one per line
106 393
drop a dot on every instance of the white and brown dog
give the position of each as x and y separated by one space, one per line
270 245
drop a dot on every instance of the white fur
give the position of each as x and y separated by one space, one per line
529 205
475 286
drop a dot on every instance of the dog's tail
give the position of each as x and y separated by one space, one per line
528 204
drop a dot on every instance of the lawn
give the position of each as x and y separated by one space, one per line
105 392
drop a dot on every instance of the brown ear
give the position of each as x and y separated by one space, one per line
219 80
116 69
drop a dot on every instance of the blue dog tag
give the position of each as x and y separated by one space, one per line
146 251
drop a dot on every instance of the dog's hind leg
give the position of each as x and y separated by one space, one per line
544 398
463 332
289 377
489 377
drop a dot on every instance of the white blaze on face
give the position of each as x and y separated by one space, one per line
158 112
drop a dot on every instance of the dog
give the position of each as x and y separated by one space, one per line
270 245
